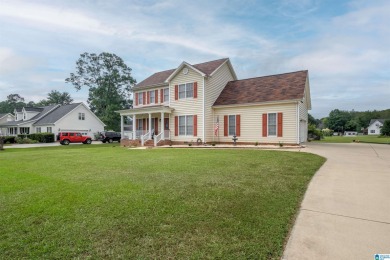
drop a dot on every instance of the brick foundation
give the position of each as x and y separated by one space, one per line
130 143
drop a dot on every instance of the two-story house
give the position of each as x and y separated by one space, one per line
53 119
205 102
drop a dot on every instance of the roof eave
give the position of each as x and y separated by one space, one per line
150 86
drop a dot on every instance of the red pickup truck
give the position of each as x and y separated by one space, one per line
74 137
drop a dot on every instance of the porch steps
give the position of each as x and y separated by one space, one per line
149 143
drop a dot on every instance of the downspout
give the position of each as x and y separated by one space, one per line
203 116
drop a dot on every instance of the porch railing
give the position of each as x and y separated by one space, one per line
144 137
157 138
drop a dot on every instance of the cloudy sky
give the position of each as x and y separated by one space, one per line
345 45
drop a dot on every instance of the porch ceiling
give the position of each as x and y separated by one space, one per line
145 110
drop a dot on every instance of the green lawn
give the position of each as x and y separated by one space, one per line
106 202
359 138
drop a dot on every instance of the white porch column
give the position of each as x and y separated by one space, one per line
134 125
162 126
122 128
150 126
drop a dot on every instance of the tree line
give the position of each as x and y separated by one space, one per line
342 120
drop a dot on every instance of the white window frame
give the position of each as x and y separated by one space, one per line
231 126
152 97
38 129
166 95
276 125
140 124
185 91
140 98
81 116
188 125
49 129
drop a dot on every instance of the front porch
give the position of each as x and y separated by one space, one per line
149 125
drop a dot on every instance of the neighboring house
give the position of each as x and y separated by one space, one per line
375 126
206 101
350 133
53 119
4 118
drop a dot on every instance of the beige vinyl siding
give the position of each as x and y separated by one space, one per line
187 106
251 123
214 87
303 115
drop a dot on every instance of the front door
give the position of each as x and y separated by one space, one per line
166 123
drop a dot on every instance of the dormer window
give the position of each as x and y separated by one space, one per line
24 116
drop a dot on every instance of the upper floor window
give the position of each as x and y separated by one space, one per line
24 116
166 94
81 116
140 98
152 97
272 124
186 90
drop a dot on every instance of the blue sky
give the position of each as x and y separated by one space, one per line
345 45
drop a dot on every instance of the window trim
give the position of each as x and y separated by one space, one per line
38 129
235 125
140 98
82 116
185 90
49 129
167 99
152 92
276 125
186 133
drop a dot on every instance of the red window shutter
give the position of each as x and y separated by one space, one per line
195 125
238 125
136 99
156 125
144 98
136 124
161 95
176 126
144 124
280 124
147 97
264 125
195 89
225 125
156 96
176 92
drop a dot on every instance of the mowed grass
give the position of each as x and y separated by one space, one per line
359 138
108 202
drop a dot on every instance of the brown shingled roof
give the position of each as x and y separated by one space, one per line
210 66
160 77
279 87
155 79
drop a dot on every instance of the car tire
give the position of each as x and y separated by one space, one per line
110 140
65 142
103 142
88 141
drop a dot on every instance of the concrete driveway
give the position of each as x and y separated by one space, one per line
346 210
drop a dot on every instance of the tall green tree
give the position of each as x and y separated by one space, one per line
109 81
56 97
338 119
13 101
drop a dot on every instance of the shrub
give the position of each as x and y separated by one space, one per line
386 128
327 132
9 139
257 143
26 140
314 133
40 137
